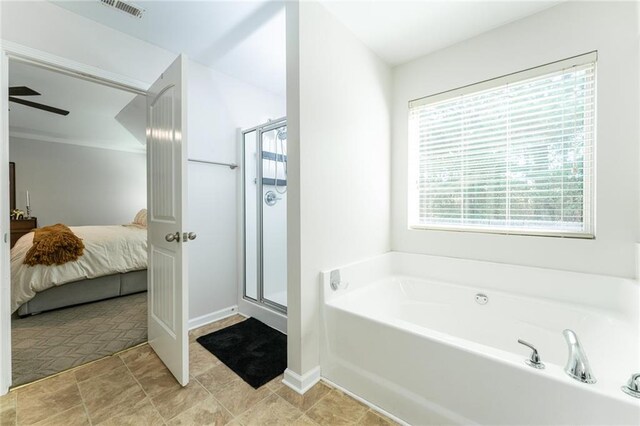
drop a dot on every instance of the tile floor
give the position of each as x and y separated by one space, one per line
134 388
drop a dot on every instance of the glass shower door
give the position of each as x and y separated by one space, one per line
274 216
265 215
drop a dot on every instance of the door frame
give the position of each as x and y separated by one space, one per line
18 52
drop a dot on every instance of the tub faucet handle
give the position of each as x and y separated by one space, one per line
632 387
534 360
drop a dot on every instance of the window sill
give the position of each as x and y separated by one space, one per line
519 232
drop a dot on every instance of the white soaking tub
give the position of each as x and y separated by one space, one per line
408 336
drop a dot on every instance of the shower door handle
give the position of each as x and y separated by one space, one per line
270 198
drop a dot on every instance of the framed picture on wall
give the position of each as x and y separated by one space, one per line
12 186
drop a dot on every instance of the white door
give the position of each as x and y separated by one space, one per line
166 184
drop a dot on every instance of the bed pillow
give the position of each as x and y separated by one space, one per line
141 218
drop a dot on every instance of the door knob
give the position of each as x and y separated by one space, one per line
189 236
173 237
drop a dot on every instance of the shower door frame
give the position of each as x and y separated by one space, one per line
260 299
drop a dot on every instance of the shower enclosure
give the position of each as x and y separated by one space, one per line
264 165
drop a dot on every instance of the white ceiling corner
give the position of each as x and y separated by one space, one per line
400 31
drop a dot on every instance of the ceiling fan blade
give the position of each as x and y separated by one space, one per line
39 106
22 91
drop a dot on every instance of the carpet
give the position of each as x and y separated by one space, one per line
253 350
54 341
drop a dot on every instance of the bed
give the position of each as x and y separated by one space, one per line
114 264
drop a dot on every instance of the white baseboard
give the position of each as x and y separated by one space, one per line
303 383
365 402
212 317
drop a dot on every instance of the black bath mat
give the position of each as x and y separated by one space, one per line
253 350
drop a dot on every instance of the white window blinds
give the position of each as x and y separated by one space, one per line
510 155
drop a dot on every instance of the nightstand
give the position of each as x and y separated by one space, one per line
22 227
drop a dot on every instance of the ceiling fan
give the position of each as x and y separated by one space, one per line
25 91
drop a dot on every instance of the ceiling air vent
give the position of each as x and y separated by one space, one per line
127 8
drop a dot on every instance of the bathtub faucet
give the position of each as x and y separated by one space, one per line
577 365
632 387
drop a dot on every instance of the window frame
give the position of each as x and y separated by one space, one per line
589 186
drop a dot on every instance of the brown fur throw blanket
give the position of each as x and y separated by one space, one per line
54 245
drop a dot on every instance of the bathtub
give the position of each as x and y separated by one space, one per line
406 334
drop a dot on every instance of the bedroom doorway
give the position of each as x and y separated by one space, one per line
78 235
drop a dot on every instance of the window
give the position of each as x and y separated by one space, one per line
510 155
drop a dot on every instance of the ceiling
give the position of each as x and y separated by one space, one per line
399 31
93 109
247 39
244 39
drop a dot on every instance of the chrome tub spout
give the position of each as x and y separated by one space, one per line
577 365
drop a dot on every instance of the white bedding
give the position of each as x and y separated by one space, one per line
107 250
